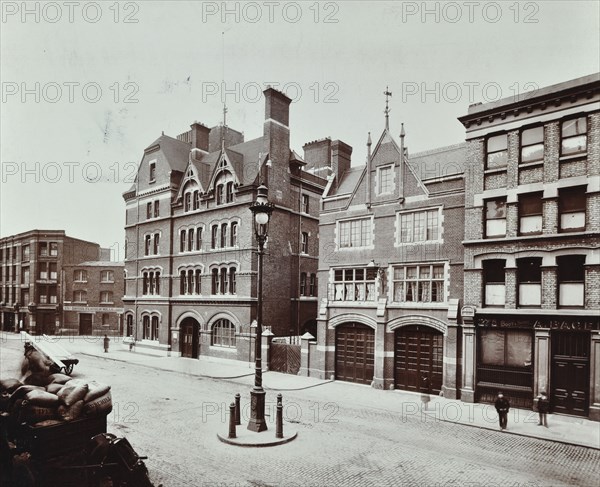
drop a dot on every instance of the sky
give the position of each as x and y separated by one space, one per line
86 86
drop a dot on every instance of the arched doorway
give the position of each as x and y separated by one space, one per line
354 353
190 330
418 353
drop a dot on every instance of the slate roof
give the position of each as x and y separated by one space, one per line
176 151
440 162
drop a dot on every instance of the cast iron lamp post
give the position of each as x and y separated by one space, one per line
261 210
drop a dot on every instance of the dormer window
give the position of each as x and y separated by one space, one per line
224 188
196 204
152 176
229 195
219 194
187 202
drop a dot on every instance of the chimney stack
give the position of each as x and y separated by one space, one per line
277 106
340 158
199 136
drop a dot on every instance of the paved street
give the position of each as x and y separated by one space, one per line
173 419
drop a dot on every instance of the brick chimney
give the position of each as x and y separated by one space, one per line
340 159
317 155
277 106
199 136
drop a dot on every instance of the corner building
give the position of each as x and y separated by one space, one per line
390 269
532 256
191 264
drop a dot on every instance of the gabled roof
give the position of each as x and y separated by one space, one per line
350 179
176 151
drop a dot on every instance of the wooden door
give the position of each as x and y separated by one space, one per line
355 353
418 354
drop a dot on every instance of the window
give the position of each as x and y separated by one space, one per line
157 283
497 151
571 280
190 239
196 204
303 284
105 319
147 244
223 285
187 201
385 180
494 282
573 136
43 250
199 238
223 334
190 282
154 335
52 295
420 226
234 234
156 208
530 213
313 285
419 284
232 281
146 327
354 284
107 276
224 235
148 210
24 275
304 243
52 270
106 297
571 208
355 233
506 348
495 218
219 194
214 235
152 175
529 277
182 283
215 281
80 296
80 275
156 243
43 273
198 282
532 145
129 327
229 196
53 249
182 234
24 253
305 202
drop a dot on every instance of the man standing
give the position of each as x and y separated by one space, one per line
106 342
502 406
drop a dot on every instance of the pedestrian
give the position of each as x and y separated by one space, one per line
543 407
106 342
425 391
502 406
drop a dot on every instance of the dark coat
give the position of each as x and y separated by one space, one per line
543 405
502 405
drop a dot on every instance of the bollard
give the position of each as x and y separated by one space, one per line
232 421
279 420
238 419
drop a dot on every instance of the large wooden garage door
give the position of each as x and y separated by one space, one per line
354 353
419 353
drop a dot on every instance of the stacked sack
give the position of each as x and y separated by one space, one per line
63 399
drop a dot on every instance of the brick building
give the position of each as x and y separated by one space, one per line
390 267
532 257
93 298
191 264
31 279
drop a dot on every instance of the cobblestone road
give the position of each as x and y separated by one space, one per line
174 420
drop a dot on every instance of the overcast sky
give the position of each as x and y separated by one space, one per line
87 86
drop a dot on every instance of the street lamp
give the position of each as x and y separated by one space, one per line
261 210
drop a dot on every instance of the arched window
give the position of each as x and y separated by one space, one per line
188 202
224 235
145 283
196 200
229 195
215 281
214 234
182 282
199 238
234 234
146 327
223 283
232 281
182 241
219 194
198 289
190 283
129 329
154 335
223 334
157 283
190 239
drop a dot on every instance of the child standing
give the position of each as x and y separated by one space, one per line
543 407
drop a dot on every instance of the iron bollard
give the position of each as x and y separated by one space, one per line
279 420
232 420
238 419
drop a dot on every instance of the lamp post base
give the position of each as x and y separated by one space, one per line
257 421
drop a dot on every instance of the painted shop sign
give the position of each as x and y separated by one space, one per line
92 309
553 324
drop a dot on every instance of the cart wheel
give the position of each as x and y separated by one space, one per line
68 369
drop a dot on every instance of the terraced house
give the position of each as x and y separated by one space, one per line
532 255
390 268
191 266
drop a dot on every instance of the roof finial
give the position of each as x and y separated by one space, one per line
369 139
387 110
402 133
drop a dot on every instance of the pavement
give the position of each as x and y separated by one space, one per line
401 404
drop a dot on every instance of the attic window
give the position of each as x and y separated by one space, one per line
152 178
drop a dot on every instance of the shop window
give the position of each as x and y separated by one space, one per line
530 213
532 145
571 280
497 151
495 218
571 208
573 136
494 282
223 334
505 348
529 277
